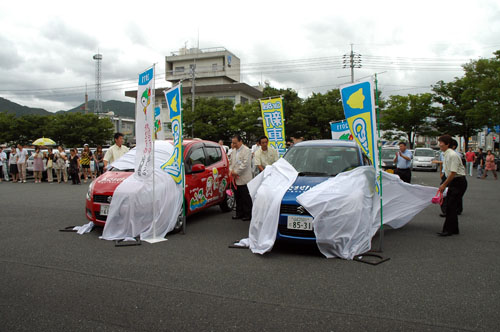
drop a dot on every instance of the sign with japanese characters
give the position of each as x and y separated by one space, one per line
144 118
274 123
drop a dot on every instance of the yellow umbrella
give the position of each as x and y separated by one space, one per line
44 141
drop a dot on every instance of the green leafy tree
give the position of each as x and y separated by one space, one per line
247 121
409 114
7 128
210 119
75 129
319 110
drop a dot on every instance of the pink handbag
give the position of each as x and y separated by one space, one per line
438 199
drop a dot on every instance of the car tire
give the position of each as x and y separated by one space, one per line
228 203
178 225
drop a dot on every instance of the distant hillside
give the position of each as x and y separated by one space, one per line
120 108
19 110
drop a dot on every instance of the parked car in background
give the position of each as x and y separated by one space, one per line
422 159
206 178
388 155
316 161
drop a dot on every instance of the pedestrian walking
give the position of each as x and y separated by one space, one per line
60 167
456 184
470 158
480 163
85 158
403 161
4 165
460 206
266 155
22 160
98 161
490 165
74 166
241 171
14 172
50 157
37 165
115 151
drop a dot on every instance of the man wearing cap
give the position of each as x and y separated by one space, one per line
115 151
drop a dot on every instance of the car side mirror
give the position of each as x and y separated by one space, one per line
198 168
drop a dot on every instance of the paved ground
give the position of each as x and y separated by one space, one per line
54 281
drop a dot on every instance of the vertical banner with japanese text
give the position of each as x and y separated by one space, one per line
358 100
340 130
174 165
159 133
274 123
144 123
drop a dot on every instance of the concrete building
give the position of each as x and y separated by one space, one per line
126 126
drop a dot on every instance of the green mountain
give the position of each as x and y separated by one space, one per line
19 110
120 108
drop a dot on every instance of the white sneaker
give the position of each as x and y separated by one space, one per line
24 181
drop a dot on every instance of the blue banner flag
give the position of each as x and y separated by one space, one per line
358 100
175 164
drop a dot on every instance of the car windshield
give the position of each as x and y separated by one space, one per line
389 153
322 160
424 153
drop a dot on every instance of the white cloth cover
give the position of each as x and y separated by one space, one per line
267 191
131 209
87 228
346 210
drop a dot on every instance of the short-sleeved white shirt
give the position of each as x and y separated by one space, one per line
21 156
115 152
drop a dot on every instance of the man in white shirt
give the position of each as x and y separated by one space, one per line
22 161
116 151
455 181
241 171
266 155
3 163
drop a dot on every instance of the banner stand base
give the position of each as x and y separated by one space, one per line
155 240
371 258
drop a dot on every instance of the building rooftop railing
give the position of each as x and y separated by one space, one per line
194 50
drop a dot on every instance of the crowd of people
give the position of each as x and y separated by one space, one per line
86 165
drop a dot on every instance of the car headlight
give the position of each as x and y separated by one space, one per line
384 164
89 191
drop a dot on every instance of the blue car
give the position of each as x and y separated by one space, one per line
316 161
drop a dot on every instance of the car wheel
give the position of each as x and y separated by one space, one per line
179 224
228 203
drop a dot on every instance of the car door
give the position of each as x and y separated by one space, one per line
216 172
195 182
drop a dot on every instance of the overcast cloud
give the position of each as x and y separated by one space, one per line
46 48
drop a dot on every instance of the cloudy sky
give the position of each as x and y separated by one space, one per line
46 47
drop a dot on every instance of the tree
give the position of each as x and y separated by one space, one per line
409 114
210 120
319 110
7 125
471 102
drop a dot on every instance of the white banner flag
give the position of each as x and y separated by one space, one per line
144 124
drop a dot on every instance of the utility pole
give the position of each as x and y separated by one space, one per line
352 60
193 76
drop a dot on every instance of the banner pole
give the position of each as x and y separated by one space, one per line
182 165
381 236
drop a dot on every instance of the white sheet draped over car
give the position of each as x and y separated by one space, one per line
131 209
345 208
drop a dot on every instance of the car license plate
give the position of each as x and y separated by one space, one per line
299 222
104 210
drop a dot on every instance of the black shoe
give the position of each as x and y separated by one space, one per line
445 234
246 218
459 213
442 215
236 217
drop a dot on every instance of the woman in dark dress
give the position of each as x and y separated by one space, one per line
74 167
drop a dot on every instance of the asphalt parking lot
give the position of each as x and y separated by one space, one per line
55 281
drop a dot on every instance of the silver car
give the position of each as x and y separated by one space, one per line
423 159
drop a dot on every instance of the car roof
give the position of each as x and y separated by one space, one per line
328 142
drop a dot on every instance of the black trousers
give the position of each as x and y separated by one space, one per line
75 177
404 174
243 201
456 190
460 206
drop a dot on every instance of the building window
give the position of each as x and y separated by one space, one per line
214 67
178 70
243 100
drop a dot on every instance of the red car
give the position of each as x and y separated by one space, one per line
207 178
